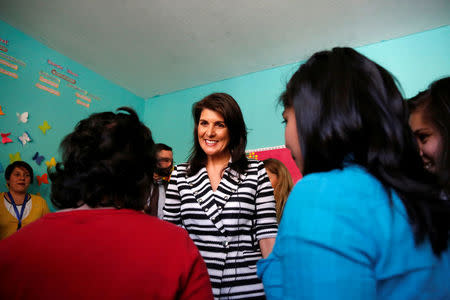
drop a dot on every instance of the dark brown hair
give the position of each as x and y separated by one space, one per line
225 105
108 160
348 108
18 164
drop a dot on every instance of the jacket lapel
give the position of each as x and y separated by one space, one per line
203 193
228 186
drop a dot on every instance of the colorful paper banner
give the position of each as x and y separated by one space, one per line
49 82
48 76
51 91
77 88
53 64
83 103
83 97
13 59
8 64
62 76
6 72
71 73
93 96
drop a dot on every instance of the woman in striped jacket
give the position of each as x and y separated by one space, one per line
224 200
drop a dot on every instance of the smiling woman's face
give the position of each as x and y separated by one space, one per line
19 181
213 134
428 139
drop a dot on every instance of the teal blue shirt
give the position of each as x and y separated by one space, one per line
340 238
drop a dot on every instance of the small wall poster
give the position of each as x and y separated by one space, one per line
282 154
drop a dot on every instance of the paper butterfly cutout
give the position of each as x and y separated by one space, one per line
5 138
23 117
50 164
42 179
25 138
44 127
14 157
1 111
38 158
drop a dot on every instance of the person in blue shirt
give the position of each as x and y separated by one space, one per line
366 221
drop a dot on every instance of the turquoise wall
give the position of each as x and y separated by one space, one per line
169 116
61 112
415 60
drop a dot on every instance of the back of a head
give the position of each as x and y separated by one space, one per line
108 161
349 109
347 106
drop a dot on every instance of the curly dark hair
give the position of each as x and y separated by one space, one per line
225 105
108 160
348 107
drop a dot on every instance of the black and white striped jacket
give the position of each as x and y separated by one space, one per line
226 225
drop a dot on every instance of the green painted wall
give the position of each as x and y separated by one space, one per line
62 113
414 60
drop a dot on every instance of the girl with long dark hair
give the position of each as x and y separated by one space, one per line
366 221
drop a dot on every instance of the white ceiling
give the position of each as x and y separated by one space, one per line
153 47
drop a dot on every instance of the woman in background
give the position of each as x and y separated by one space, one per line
223 200
366 221
430 122
18 208
101 245
281 181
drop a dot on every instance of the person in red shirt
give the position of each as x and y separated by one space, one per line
100 245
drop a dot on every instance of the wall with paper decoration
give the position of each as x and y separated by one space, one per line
415 60
43 95
51 93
